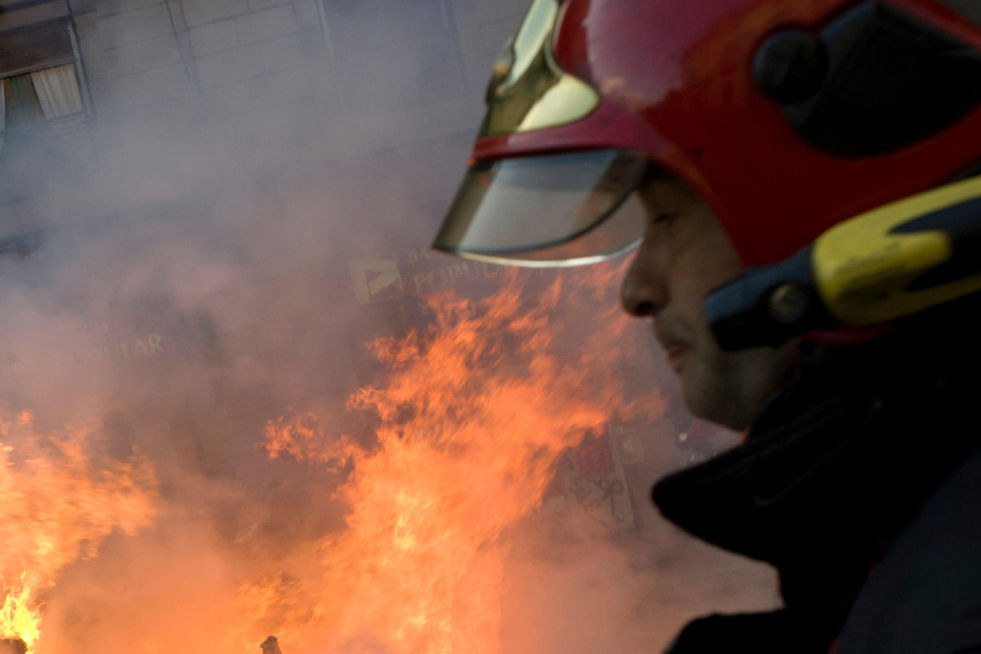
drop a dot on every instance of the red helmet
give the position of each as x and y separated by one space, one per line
788 116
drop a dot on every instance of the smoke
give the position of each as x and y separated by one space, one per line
193 280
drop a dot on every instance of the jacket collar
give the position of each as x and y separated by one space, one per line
835 463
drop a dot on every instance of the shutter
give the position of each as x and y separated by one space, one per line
43 45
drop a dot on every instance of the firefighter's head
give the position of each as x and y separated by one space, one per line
781 119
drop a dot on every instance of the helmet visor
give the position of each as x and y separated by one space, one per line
549 210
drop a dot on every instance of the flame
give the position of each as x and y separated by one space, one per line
56 506
473 417
275 604
17 617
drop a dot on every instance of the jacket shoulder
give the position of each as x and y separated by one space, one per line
924 596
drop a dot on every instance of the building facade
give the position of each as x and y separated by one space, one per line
83 77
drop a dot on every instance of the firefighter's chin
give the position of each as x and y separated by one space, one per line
730 388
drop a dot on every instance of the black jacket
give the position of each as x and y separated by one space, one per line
861 484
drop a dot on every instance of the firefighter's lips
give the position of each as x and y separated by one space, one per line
674 347
672 335
674 353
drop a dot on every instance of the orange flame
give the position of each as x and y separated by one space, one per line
57 505
474 416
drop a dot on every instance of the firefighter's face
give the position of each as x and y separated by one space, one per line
684 255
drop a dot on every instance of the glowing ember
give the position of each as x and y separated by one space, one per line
56 506
473 418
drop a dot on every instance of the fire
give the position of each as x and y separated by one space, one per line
277 603
57 504
472 419
17 617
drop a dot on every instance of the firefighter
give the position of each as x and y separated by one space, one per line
809 253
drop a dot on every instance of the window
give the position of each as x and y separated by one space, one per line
39 75
47 96
42 113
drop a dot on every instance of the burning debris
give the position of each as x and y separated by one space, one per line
269 646
13 646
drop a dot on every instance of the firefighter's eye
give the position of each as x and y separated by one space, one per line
665 218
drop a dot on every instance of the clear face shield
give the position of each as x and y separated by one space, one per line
552 210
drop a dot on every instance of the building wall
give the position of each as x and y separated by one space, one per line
287 65
353 76
166 64
484 26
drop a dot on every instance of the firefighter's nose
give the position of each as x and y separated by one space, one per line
644 291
